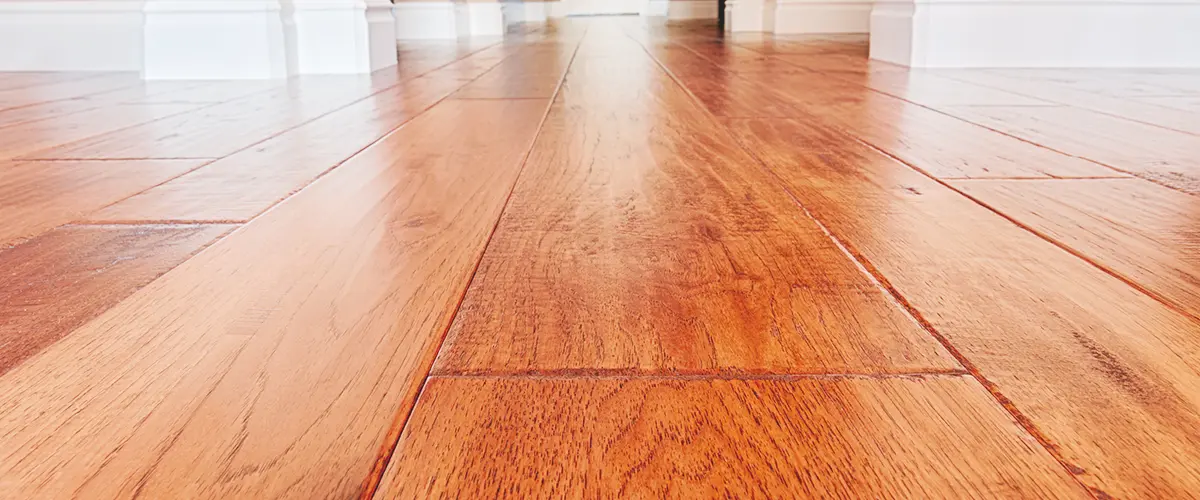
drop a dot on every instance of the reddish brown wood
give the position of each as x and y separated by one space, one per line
641 239
832 438
37 196
276 362
60 280
1104 373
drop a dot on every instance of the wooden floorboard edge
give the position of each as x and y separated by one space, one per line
880 280
703 376
402 418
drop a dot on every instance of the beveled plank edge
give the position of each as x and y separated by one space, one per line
402 418
400 81
877 277
1092 109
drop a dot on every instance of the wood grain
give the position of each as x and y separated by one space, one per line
948 147
1105 373
30 137
219 130
641 239
282 355
58 281
1143 231
242 185
939 437
531 73
37 196
1163 156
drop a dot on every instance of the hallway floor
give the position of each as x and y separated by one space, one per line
603 259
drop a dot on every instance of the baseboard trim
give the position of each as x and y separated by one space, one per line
1037 34
691 9
339 37
180 41
425 20
792 17
89 35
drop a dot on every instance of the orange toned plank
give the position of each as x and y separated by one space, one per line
240 186
1106 374
641 239
1164 156
58 281
37 196
219 130
31 137
1141 230
948 147
723 92
275 362
939 437
931 90
532 73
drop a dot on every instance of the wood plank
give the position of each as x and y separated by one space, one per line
37 196
931 90
936 437
66 89
641 239
60 280
275 362
1190 104
1143 231
219 130
154 92
1141 109
242 185
720 90
21 79
34 136
531 73
1106 374
1159 155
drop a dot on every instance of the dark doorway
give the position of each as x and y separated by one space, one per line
721 14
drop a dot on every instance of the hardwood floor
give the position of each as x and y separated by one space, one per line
603 258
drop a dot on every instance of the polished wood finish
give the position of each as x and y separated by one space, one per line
1163 156
60 280
38 196
1142 231
928 437
727 265
661 252
27 138
266 346
1105 373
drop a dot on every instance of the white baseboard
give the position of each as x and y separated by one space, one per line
425 20
339 36
555 9
692 9
750 15
1037 33
792 17
446 20
655 8
525 12
83 35
482 18
603 7
214 39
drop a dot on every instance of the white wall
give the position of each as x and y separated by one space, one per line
1028 33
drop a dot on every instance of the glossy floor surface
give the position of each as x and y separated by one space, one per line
603 259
